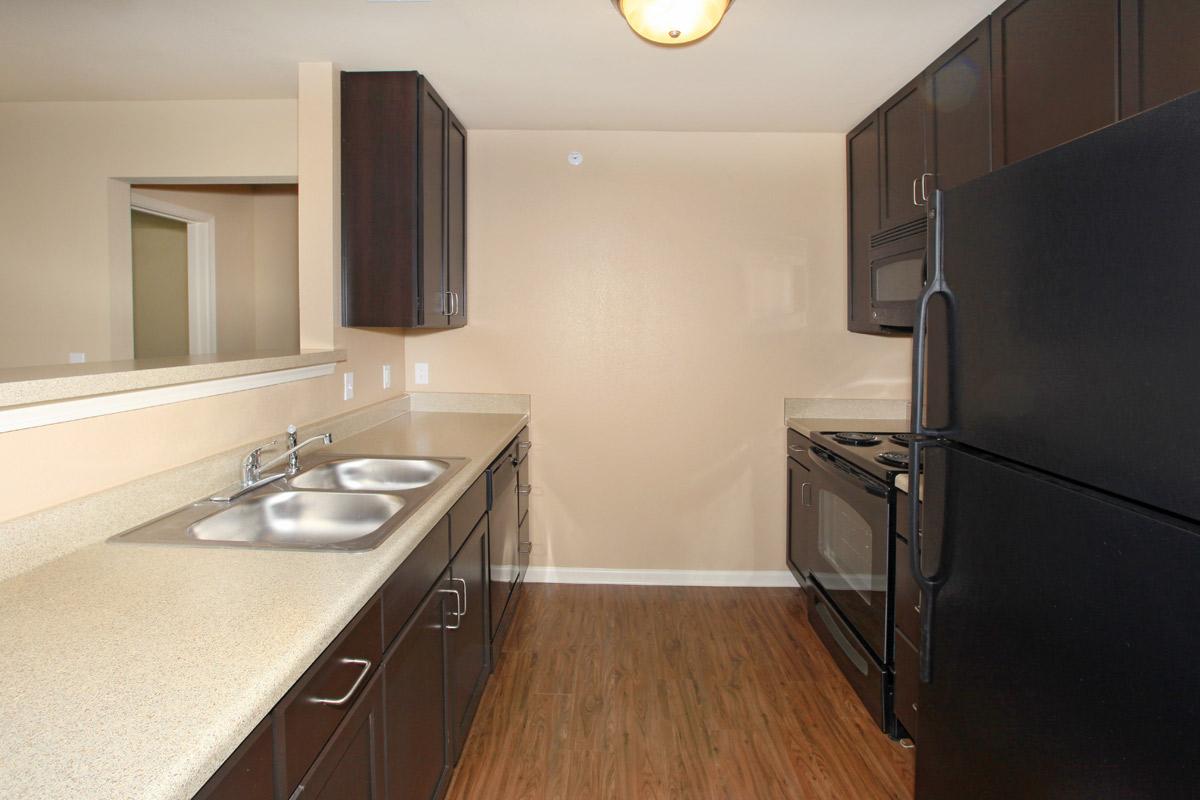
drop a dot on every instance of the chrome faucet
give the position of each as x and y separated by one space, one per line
253 465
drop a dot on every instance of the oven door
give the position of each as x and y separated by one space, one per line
849 545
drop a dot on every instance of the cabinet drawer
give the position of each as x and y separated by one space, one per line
412 579
798 445
248 774
907 670
309 713
466 513
523 490
908 595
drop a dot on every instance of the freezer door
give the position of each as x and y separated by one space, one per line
1069 329
1065 639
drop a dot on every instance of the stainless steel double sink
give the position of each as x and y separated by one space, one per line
341 502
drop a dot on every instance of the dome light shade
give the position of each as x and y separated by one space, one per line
672 22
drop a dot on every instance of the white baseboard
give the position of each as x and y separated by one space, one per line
660 577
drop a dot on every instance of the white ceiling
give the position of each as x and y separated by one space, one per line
773 65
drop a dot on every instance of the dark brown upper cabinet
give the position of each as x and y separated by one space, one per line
1054 73
1160 52
862 198
403 204
958 89
902 155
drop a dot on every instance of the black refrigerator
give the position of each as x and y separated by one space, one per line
1057 360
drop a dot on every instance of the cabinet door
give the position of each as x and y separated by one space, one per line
958 87
1160 52
862 200
380 210
434 120
351 765
902 154
1054 73
415 700
467 645
456 221
800 519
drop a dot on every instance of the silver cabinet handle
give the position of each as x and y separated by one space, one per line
924 191
457 304
524 445
806 495
362 676
524 489
914 193
458 609
464 585
796 448
525 547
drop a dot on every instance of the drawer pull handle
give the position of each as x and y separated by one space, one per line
524 489
463 581
458 608
524 445
525 547
362 676
795 448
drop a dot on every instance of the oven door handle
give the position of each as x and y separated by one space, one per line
830 464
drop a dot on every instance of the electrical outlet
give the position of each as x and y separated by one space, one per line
387 376
421 373
76 358
348 386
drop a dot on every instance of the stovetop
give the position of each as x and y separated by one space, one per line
883 455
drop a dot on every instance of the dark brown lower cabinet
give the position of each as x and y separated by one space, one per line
503 537
351 767
905 694
418 763
248 774
468 644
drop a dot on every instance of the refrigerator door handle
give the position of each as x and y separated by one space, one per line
935 285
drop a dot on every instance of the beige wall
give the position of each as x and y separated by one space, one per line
93 454
256 258
56 163
276 261
160 285
658 303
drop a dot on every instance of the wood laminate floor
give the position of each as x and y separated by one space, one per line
672 692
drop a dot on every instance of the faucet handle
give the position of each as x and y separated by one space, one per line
250 465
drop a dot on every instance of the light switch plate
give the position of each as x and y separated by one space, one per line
387 376
421 373
348 386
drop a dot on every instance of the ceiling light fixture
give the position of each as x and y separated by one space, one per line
672 22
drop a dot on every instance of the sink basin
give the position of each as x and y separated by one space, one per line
324 520
347 502
372 474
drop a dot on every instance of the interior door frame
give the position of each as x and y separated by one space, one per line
201 264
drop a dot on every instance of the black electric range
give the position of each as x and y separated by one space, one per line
882 455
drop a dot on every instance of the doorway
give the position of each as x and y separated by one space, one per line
174 279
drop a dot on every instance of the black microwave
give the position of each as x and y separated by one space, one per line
897 271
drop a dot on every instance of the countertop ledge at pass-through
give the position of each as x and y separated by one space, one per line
134 671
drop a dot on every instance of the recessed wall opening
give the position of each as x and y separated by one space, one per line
214 269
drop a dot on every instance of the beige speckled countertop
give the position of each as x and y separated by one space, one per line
134 671
808 426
